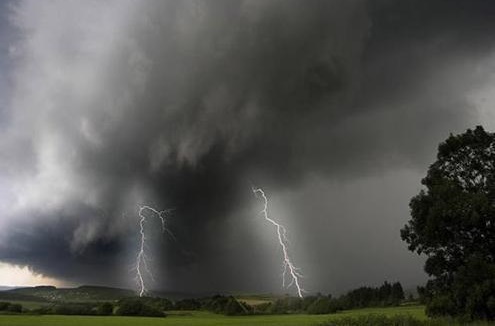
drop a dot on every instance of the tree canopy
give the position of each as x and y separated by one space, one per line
453 224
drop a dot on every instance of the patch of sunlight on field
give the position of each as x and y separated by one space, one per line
253 302
415 311
199 318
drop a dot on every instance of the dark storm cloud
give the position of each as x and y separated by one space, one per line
185 104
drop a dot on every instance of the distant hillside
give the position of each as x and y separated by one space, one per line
5 288
182 295
51 293
85 293
12 296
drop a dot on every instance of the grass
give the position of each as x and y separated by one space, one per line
256 299
196 318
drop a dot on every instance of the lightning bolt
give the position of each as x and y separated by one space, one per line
289 270
142 259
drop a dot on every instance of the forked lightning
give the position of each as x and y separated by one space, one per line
288 267
142 259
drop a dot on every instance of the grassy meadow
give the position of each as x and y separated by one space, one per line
195 318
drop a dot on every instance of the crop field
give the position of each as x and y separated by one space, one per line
200 319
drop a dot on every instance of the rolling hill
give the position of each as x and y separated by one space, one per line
53 294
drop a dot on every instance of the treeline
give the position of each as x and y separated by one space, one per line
7 307
146 306
219 304
388 294
75 308
385 295
150 307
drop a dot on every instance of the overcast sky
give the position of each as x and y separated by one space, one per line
335 108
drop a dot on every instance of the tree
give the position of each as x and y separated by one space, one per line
14 307
104 309
137 307
322 305
397 293
453 224
187 304
234 308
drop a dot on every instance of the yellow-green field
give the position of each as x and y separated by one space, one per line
200 319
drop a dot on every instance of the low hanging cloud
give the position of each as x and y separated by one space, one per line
185 104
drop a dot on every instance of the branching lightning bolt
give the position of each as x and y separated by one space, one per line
288 267
142 259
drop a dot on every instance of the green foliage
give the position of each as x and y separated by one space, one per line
322 305
10 307
385 295
388 294
306 302
453 223
104 309
4 306
44 310
74 309
137 307
161 304
235 308
187 304
15 307
227 305
382 320
279 307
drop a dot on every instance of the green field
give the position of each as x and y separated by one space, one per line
199 319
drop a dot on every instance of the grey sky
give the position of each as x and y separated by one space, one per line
335 108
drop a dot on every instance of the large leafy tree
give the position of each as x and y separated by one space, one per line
453 224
